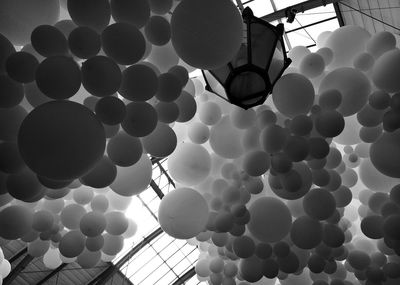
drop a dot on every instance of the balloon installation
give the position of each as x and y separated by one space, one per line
304 189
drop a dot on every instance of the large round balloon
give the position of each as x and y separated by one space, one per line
386 71
346 42
72 244
352 84
58 77
135 12
15 222
191 24
384 153
126 186
183 213
18 18
225 139
90 13
190 164
124 43
61 140
293 95
270 219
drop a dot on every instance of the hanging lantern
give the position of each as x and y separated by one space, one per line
248 79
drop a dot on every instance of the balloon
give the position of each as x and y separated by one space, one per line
21 66
190 164
94 243
297 53
352 84
256 162
131 230
167 112
284 100
270 219
123 42
380 43
117 223
112 244
198 133
6 49
306 232
157 30
125 186
84 42
225 139
152 143
101 175
15 222
327 55
251 269
319 204
33 14
124 150
38 247
5 268
383 153
180 72
187 107
10 159
58 77
364 61
209 113
72 244
183 213
190 32
101 76
49 41
42 221
346 42
18 184
385 70
71 216
61 125
312 65
140 119
93 224
135 12
88 259
169 87
160 6
91 13
139 83
99 203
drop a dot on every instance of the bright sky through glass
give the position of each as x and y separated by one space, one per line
164 259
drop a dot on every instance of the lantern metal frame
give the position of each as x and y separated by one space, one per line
252 68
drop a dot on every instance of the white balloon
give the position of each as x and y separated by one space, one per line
5 268
52 259
183 213
190 164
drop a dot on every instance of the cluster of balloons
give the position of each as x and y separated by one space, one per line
301 190
5 266
304 189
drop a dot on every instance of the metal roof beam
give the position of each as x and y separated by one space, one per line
104 276
18 269
298 8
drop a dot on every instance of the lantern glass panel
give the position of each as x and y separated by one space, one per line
221 74
215 86
263 41
241 57
246 84
277 64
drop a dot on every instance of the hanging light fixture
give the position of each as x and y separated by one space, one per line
248 79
